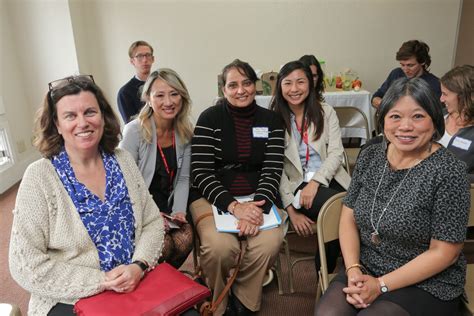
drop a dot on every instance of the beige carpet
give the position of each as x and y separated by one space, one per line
299 303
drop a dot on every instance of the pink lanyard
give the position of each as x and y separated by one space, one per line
305 140
168 171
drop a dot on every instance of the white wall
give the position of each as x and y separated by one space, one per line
197 38
43 40
37 46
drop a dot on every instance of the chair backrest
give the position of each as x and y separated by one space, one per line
352 117
471 213
328 230
345 162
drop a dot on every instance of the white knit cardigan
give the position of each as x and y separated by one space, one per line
51 253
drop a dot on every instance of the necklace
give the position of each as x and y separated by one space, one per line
375 237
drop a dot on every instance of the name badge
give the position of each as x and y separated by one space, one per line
180 162
260 132
462 143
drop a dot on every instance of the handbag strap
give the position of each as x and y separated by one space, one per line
231 280
201 217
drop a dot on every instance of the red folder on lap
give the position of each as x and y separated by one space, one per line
163 291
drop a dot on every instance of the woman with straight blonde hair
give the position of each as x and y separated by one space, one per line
159 141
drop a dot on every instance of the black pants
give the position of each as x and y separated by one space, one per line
324 193
61 309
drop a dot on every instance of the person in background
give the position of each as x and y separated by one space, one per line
237 150
403 220
159 141
128 98
457 94
313 151
317 72
83 219
415 61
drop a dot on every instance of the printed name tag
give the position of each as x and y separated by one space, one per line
180 162
260 132
462 143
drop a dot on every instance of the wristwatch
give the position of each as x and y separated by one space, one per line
383 287
141 264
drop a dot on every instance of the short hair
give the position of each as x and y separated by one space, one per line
313 109
309 60
47 138
460 80
135 45
182 123
423 95
418 49
242 67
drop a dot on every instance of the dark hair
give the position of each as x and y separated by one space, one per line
47 138
460 80
242 67
313 109
309 60
423 95
417 49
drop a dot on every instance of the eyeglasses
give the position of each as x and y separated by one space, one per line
140 57
64 81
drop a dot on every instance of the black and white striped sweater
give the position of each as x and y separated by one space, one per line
214 156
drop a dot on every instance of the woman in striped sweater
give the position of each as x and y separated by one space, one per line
237 150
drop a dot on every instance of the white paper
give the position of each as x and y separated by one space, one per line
227 223
296 201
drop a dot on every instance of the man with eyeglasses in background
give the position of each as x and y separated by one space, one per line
128 98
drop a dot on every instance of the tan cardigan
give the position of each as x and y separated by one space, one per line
329 148
51 253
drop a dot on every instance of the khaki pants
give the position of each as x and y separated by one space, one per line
218 254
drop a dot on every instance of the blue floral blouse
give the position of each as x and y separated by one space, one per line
110 223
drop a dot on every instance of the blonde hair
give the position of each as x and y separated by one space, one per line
181 123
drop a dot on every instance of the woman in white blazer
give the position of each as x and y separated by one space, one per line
159 141
313 169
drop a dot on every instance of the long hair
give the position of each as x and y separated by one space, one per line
313 109
311 60
181 123
460 80
47 138
423 95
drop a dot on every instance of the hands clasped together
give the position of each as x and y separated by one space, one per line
250 216
362 289
123 279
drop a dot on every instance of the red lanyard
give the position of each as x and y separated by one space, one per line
168 171
305 140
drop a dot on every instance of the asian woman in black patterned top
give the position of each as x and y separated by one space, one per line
403 221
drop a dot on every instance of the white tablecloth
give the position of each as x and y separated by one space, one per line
359 99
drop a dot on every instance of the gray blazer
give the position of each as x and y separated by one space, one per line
144 155
328 146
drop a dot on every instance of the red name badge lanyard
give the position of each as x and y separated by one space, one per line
305 140
167 168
